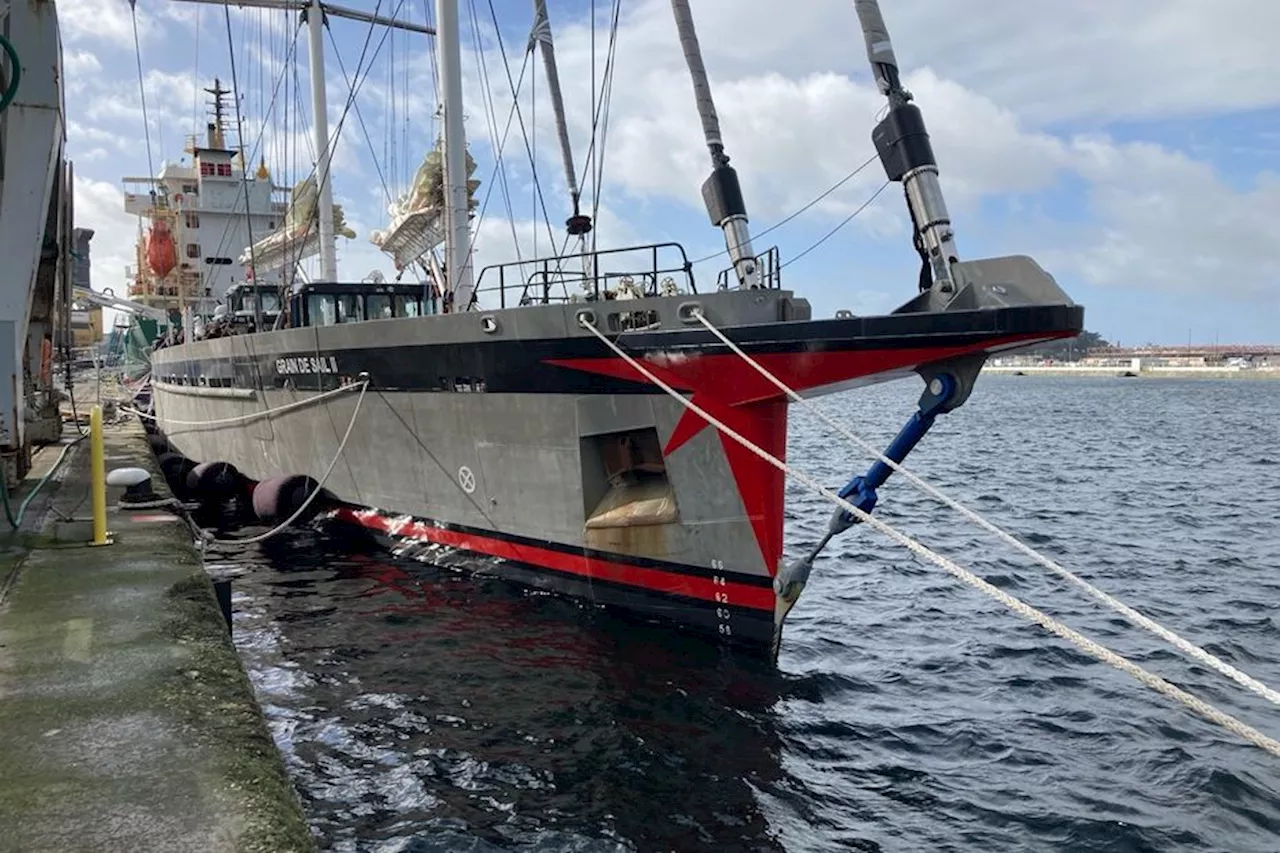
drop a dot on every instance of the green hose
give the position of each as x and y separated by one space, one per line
16 521
12 91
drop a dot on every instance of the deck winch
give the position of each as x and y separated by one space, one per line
946 387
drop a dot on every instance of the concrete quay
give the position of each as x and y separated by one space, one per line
126 720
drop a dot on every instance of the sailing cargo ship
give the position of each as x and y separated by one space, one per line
495 420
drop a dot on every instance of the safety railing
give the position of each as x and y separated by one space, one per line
770 272
654 269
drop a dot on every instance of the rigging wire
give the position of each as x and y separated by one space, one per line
195 95
386 189
606 102
593 162
389 138
1092 648
244 166
407 163
142 94
226 228
491 119
1186 646
775 226
825 237
336 134
536 192
533 163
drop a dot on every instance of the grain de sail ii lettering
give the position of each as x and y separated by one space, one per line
295 365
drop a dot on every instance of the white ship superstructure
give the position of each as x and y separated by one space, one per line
211 208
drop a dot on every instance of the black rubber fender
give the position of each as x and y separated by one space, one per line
215 480
277 498
175 468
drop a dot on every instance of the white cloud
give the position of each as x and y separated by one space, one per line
794 127
1017 96
1048 61
100 206
1172 223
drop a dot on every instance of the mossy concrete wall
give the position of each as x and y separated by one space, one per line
126 718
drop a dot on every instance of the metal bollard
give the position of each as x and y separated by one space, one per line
98 477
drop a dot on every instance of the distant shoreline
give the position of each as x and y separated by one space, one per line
1144 373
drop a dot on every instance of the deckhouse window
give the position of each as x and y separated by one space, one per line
224 170
206 168
406 306
321 310
193 250
193 221
349 308
379 306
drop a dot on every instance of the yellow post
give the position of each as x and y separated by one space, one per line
98 474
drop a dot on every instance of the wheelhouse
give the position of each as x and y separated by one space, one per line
329 304
244 301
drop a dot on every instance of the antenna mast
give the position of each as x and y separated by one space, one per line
216 135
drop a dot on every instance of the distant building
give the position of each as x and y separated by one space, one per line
80 238
86 320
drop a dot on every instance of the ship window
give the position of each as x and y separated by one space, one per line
320 310
379 306
349 308
193 250
218 261
271 224
224 170
270 302
193 221
189 189
206 168
406 306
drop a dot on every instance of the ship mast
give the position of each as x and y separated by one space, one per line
319 108
457 207
902 144
721 193
314 12
577 225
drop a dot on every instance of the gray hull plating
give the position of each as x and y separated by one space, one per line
516 435
516 463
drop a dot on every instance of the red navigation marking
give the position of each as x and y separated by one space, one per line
656 580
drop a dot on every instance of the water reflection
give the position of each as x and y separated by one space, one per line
432 708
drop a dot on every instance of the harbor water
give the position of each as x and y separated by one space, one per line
423 710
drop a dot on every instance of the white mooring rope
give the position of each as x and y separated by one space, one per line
363 385
1018 606
1186 646
265 413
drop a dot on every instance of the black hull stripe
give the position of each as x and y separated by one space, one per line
519 366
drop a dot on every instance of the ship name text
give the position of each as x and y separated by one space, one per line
295 365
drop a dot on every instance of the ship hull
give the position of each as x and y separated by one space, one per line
516 442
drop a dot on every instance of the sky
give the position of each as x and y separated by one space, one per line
1132 147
